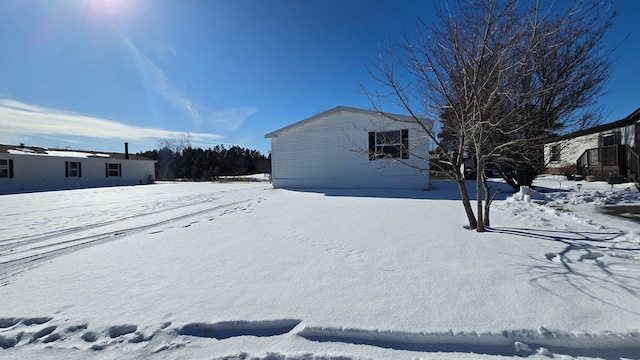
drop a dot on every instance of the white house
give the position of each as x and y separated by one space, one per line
604 151
351 148
27 168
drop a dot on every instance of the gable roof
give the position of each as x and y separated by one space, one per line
41 151
630 119
336 110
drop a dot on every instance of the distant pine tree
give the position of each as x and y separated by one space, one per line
199 164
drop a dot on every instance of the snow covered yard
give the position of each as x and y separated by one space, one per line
240 271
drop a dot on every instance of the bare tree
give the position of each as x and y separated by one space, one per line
569 67
497 77
177 142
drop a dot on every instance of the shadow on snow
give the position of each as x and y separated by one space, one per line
438 190
602 258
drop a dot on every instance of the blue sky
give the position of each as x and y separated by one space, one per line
92 74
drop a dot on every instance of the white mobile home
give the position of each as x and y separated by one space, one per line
27 168
351 148
604 151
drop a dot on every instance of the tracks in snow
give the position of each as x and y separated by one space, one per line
58 333
17 255
504 343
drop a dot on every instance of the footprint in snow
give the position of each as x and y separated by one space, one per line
44 332
120 330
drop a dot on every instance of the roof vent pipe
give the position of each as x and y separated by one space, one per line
126 150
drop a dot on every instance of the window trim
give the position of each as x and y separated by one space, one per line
68 169
616 135
113 171
377 147
8 167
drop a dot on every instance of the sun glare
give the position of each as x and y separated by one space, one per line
106 10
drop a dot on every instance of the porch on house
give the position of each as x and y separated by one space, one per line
610 162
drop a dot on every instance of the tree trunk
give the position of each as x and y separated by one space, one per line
488 198
464 194
479 180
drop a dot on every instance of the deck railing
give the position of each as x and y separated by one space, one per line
633 164
610 161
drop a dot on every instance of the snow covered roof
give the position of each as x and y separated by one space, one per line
336 110
41 151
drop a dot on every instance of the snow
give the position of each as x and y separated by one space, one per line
59 153
243 271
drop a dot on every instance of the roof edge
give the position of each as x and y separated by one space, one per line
332 111
628 120
91 154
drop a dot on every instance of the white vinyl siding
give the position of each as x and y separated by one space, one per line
332 151
571 149
36 172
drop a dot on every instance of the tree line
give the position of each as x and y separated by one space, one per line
177 159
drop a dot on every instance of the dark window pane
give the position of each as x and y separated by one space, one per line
555 153
389 150
388 137
611 139
405 144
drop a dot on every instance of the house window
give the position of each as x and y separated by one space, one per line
6 168
611 139
113 169
389 144
73 168
555 154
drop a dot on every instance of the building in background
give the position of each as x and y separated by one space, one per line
603 152
350 148
28 168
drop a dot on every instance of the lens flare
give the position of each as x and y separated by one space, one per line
108 10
